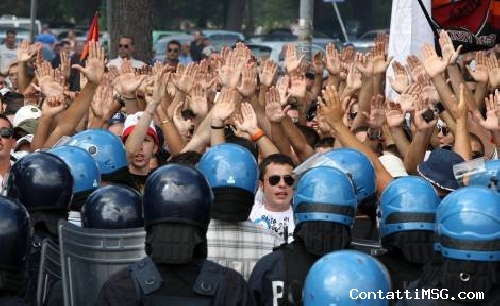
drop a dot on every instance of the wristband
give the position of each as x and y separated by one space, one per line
166 121
257 135
217 127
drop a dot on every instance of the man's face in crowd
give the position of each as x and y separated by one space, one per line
10 40
197 36
6 143
13 76
143 157
173 52
185 48
125 48
445 137
278 195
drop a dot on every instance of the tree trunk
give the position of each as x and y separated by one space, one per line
133 19
234 14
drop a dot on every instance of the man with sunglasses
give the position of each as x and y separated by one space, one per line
7 142
126 49
172 53
273 208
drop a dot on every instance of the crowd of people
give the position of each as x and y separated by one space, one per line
255 185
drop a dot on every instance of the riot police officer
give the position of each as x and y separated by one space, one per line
360 169
324 206
15 237
177 202
344 278
113 207
407 219
467 235
42 183
489 179
86 176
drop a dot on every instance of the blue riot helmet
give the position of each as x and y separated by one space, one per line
113 207
358 167
86 173
468 225
345 278
489 179
106 148
324 194
41 181
15 240
232 173
14 234
324 206
177 194
407 215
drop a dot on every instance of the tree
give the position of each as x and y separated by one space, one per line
133 19
233 12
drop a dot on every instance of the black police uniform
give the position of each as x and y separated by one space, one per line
401 271
179 287
278 278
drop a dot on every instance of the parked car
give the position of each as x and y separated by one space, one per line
366 41
21 24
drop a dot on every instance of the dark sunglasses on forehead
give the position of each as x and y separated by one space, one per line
123 46
275 179
175 50
444 130
6 132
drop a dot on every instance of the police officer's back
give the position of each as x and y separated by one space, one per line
177 201
15 241
42 183
467 235
324 207
407 220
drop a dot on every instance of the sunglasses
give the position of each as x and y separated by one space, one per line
6 132
123 46
176 50
444 130
275 179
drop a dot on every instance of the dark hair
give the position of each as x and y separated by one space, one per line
4 117
362 128
312 137
10 32
278 159
327 142
174 42
474 137
132 40
309 76
393 149
65 42
187 158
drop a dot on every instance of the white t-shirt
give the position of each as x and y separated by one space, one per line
276 221
136 64
7 57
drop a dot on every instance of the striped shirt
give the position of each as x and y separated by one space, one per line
239 245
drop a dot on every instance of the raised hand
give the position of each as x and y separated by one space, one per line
94 70
198 103
249 122
418 119
492 121
330 106
480 74
230 72
248 83
25 52
291 60
415 67
127 83
184 82
182 125
298 84
353 79
282 87
364 63
376 117
408 99
394 114
380 61
317 63
433 64
101 102
65 65
447 49
400 81
493 71
51 82
333 59
273 110
268 73
225 106
53 105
